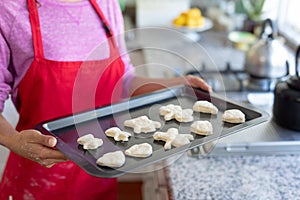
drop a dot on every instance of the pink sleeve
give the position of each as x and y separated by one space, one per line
5 75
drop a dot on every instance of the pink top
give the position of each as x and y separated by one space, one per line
71 31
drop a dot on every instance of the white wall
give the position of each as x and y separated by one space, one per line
159 12
11 115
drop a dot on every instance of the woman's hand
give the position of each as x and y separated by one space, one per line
141 85
37 147
197 82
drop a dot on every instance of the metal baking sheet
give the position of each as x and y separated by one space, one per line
68 129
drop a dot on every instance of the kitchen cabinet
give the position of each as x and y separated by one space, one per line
153 183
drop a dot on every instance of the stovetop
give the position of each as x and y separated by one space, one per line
230 80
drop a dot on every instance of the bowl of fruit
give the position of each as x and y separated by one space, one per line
192 21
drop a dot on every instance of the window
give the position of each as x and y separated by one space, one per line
288 20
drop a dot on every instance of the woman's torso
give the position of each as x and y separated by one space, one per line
71 31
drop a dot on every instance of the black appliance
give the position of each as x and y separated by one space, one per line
286 108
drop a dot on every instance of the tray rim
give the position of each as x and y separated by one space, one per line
92 114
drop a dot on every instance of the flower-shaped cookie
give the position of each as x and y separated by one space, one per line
142 124
89 141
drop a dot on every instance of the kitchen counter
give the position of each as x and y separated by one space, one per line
263 169
229 175
235 177
266 169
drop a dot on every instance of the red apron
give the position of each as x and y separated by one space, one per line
52 89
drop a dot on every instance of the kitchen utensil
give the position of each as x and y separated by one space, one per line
68 129
268 57
286 108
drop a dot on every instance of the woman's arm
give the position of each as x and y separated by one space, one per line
30 144
141 85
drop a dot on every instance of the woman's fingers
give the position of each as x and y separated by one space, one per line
35 136
50 162
198 82
37 147
45 155
49 153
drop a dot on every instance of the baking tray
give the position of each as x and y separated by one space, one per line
68 129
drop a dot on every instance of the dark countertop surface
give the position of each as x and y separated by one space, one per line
250 177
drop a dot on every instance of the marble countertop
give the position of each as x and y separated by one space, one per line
235 177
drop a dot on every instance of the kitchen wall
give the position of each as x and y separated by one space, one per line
158 12
162 12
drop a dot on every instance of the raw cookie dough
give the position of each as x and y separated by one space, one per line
169 111
205 107
171 137
234 116
89 141
112 159
185 115
172 111
142 124
202 128
85 139
182 139
139 150
167 137
117 134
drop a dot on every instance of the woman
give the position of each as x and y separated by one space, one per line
42 48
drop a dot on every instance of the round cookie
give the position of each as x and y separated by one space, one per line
139 150
202 128
233 116
205 107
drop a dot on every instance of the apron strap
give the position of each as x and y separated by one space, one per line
35 28
109 33
106 26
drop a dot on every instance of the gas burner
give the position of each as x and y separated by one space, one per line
261 84
230 80
264 84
